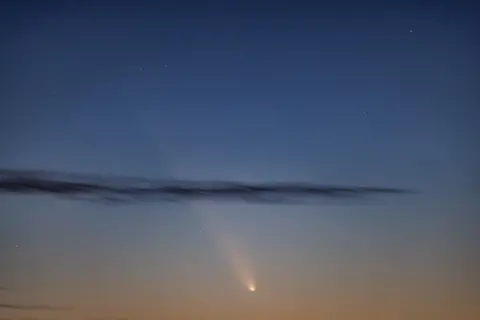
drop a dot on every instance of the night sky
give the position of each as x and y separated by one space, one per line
354 93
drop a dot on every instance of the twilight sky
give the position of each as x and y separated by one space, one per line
355 94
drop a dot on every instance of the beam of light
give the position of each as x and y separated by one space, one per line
230 246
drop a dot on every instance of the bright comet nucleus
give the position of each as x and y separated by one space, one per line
251 288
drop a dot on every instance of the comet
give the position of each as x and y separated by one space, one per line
239 261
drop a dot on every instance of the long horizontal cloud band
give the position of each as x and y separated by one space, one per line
134 189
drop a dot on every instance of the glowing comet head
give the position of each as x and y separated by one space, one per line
251 288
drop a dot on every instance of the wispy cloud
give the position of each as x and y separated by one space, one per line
34 307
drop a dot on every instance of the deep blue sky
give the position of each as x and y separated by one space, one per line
347 94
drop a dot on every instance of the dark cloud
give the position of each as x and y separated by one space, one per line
34 307
113 189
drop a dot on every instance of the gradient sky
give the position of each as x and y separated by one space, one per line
355 93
